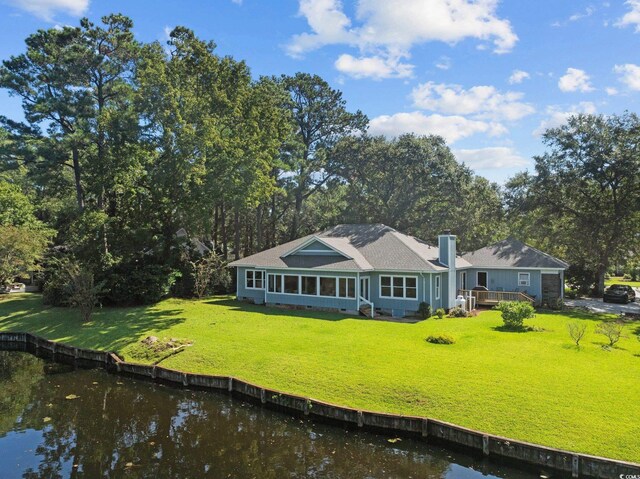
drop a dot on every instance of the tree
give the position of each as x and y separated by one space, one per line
414 183
320 118
23 239
612 330
208 270
577 331
82 291
583 203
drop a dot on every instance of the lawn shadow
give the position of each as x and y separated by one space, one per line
524 329
109 328
580 315
236 305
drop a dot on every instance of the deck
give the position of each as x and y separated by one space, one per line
491 298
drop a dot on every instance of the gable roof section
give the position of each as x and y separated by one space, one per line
511 253
363 248
316 239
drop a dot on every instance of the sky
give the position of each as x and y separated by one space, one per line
489 76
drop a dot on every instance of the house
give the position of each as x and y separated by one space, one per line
374 268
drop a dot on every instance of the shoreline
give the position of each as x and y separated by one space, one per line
431 430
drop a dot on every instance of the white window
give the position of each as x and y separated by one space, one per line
403 287
437 287
291 284
275 283
524 279
254 279
310 285
347 287
328 286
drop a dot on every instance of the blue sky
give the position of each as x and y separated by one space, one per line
487 75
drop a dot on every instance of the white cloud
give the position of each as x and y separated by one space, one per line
373 67
611 91
451 128
483 102
579 16
328 23
46 9
390 28
629 75
575 80
632 17
558 116
518 76
491 158
444 63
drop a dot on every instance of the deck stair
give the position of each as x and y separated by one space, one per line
365 310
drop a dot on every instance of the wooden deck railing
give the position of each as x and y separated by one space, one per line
495 297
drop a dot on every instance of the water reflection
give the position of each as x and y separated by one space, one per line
56 422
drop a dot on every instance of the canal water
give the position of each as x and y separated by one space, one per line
59 422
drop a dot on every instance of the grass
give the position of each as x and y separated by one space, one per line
620 280
534 386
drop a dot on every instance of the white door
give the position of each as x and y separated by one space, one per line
364 287
463 280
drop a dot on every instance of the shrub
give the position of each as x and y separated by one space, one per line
626 277
556 304
129 285
440 339
458 312
514 313
612 330
570 294
577 331
82 291
424 310
440 313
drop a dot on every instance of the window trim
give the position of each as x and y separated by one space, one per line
438 285
254 271
527 282
486 275
317 295
404 286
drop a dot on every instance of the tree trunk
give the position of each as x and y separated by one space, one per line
215 228
236 233
76 175
602 271
223 225
259 232
295 224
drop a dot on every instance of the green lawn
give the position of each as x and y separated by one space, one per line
532 386
620 280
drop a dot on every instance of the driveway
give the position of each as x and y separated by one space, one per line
598 306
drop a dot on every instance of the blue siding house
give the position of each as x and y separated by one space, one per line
369 269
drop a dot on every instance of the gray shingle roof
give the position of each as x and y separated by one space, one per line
511 253
368 247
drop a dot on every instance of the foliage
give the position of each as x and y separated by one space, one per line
209 271
577 330
424 310
440 313
82 291
583 203
514 313
458 312
23 238
320 119
136 284
612 330
440 339
232 339
414 183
